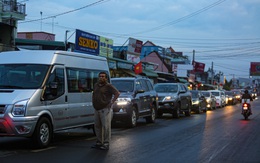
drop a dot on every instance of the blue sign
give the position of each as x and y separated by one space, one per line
87 43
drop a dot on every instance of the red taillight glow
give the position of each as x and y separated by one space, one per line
245 105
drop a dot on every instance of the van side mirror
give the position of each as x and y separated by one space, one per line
54 88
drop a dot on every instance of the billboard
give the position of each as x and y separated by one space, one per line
255 69
87 42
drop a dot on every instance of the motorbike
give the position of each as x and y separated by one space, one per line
246 109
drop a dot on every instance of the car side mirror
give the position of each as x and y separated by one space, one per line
140 91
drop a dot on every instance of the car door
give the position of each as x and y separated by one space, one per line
183 96
140 96
146 97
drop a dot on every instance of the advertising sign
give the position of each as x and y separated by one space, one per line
105 47
255 69
134 47
86 42
198 67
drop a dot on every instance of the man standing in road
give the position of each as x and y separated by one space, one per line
102 102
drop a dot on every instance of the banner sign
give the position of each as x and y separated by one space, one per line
198 67
86 42
255 69
134 47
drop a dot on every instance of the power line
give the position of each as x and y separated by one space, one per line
67 12
182 18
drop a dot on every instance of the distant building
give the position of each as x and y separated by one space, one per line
11 12
36 36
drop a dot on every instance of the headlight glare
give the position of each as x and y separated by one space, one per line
123 101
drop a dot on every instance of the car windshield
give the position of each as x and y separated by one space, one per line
206 94
123 85
194 94
166 88
216 93
22 76
229 93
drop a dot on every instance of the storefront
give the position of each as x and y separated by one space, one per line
120 68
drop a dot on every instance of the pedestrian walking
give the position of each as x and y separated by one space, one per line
104 95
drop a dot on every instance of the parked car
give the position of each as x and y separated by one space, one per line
137 99
174 98
210 98
230 98
199 102
220 96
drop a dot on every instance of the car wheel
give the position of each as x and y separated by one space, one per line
176 112
43 133
188 112
198 111
159 114
151 118
132 119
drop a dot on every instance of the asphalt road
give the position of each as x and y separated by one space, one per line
218 136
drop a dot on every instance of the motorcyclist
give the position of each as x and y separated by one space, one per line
246 95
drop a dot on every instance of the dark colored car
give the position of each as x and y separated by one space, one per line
230 98
174 98
210 98
238 95
137 99
199 102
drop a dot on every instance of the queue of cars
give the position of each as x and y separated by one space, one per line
139 98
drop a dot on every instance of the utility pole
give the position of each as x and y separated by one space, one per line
212 74
193 57
66 39
41 20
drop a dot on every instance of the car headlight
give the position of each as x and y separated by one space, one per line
196 102
230 98
123 101
19 108
168 98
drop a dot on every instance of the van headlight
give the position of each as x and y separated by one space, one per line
123 101
19 108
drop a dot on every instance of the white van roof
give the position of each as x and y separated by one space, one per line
40 56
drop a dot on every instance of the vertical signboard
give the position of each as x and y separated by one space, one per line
134 50
105 47
255 69
87 43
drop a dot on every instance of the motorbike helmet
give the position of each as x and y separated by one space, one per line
246 91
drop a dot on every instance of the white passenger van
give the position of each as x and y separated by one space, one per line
42 92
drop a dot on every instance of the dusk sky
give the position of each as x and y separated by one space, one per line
223 32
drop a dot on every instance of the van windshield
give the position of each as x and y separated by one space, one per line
22 76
